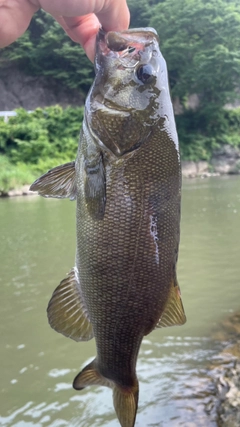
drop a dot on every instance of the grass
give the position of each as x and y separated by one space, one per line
14 176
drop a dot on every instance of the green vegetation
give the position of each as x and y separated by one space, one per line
30 144
200 40
12 176
46 50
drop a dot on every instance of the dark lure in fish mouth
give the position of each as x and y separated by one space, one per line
126 181
130 44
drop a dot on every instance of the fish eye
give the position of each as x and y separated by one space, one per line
145 73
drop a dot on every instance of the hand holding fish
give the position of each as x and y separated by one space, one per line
80 19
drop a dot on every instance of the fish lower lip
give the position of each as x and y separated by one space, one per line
113 110
100 102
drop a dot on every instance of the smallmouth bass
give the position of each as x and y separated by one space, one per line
127 183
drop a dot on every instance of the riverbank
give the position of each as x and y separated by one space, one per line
225 374
19 191
190 169
224 161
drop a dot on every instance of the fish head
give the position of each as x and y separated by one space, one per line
125 102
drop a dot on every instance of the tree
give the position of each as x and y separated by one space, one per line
45 49
200 40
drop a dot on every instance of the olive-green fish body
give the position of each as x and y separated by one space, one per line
127 183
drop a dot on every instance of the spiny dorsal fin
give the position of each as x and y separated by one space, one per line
58 182
173 313
66 311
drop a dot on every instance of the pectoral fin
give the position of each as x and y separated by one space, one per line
58 182
66 310
94 186
173 313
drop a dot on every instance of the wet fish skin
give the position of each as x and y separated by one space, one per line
127 183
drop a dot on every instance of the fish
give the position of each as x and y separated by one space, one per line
126 181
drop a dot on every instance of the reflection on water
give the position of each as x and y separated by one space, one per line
38 365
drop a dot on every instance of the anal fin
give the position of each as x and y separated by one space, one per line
173 313
66 310
58 182
90 376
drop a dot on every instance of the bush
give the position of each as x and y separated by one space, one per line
12 177
32 143
199 135
45 134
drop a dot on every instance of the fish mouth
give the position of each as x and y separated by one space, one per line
128 46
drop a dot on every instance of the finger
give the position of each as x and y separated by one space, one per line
83 30
14 19
81 19
114 15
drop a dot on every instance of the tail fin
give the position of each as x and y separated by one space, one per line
125 399
126 403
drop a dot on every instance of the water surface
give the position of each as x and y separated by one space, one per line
38 365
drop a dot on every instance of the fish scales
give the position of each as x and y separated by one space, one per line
127 184
117 262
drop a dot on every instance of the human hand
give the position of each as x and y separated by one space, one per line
80 19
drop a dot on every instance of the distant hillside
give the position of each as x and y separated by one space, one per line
17 89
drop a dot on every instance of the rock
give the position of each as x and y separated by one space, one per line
226 373
26 192
177 106
192 169
233 349
228 392
229 329
193 102
226 160
23 191
30 92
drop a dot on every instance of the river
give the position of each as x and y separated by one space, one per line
38 365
